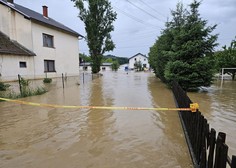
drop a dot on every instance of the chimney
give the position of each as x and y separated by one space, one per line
10 1
45 11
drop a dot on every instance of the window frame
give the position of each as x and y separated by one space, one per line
48 64
48 40
23 64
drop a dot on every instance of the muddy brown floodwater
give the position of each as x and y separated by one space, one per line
39 137
218 105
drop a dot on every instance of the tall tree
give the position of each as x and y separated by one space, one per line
161 52
227 59
192 52
98 17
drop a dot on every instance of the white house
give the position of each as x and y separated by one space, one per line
138 58
86 66
34 45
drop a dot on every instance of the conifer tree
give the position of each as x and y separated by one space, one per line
191 61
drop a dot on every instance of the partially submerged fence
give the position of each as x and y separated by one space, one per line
205 149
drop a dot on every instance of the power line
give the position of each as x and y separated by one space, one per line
144 10
135 18
119 48
152 8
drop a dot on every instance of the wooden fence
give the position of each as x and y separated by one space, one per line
205 149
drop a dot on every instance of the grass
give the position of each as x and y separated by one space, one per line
26 91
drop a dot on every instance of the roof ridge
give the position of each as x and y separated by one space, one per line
33 15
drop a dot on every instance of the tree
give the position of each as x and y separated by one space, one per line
115 65
161 52
138 66
158 54
192 52
84 58
98 17
227 59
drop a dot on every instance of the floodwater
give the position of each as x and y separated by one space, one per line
39 137
218 105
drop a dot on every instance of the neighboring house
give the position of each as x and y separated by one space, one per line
87 66
138 58
34 45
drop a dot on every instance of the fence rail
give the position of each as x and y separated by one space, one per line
205 149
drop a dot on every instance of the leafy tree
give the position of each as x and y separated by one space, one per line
192 52
98 17
84 57
115 65
138 65
110 60
227 59
122 60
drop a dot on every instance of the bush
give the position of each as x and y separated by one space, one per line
47 80
3 86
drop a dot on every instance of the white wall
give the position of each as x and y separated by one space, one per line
139 57
10 67
15 26
65 52
29 34
89 68
5 20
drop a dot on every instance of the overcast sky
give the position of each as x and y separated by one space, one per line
139 22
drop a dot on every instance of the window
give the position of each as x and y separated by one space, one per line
144 59
48 40
135 59
49 66
22 64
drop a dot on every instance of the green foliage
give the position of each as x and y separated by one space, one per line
121 60
3 86
85 58
227 59
184 50
138 66
115 65
109 60
159 53
47 80
97 17
27 91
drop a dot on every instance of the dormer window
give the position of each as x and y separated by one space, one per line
48 41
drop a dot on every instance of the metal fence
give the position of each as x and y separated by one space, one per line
206 150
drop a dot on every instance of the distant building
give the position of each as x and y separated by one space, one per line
138 58
86 66
34 45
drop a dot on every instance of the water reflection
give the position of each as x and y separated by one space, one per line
47 137
218 106
173 138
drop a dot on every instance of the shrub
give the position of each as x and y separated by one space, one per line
47 80
3 86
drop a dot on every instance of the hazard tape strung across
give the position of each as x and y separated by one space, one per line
193 107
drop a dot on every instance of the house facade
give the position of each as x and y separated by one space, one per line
139 59
86 66
34 45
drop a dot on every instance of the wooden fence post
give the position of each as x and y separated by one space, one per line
233 163
19 80
212 142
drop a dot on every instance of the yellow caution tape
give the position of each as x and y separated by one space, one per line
193 107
